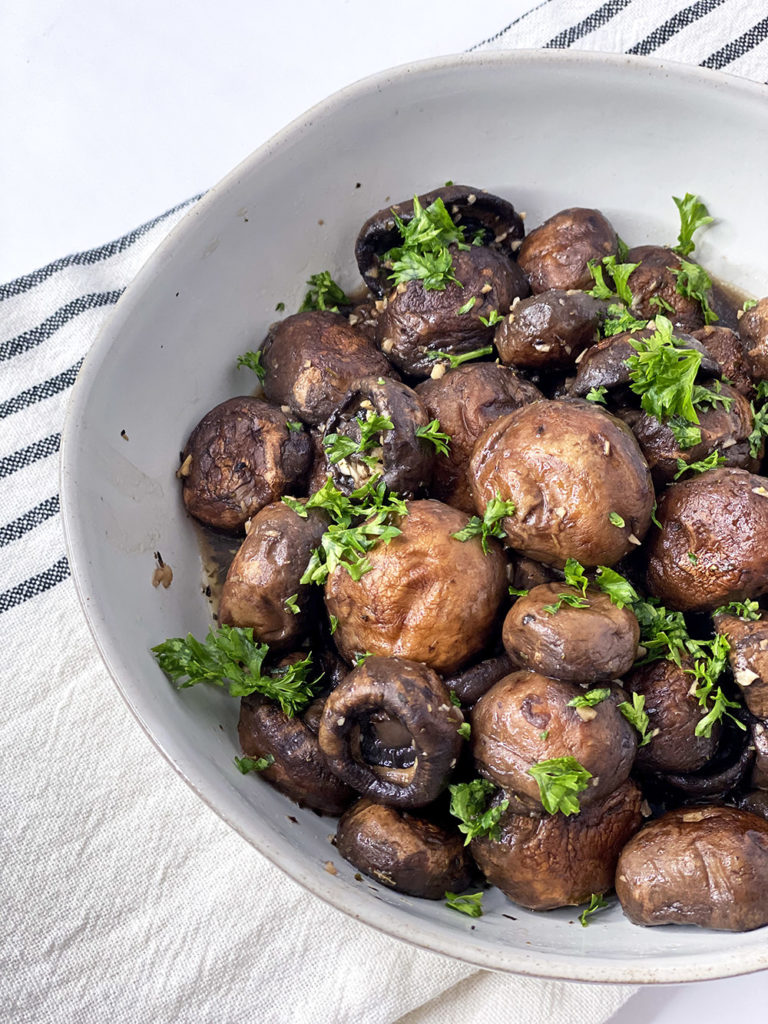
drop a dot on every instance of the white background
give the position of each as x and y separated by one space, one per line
112 112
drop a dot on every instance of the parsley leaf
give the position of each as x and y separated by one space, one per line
719 709
615 519
490 525
464 357
616 586
748 304
433 433
469 801
619 320
706 671
590 698
323 293
294 426
470 903
760 415
575 575
663 374
572 600
467 305
619 272
423 254
465 730
596 902
747 610
637 716
250 764
693 215
493 318
597 395
686 434
292 605
712 461
559 780
253 361
339 447
229 657
334 622
693 283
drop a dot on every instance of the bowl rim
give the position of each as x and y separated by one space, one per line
398 923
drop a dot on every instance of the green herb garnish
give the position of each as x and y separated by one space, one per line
637 716
620 320
470 903
433 433
294 426
693 215
597 395
250 764
323 293
469 802
760 416
615 519
575 575
493 318
334 622
560 780
292 605
490 525
465 730
467 305
571 600
616 586
423 254
253 361
464 357
693 283
590 698
747 610
712 461
596 902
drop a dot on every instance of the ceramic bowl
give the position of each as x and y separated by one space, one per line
545 129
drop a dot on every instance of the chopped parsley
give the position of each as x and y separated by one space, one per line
490 525
760 417
423 254
615 519
339 447
748 304
470 903
693 215
596 902
464 357
616 586
693 283
712 461
323 293
467 305
590 698
706 672
334 622
619 273
664 374
560 779
465 730
294 426
693 558
619 320
229 657
454 698
518 592
292 605
280 307
361 657
637 716
469 803
493 318
571 600
250 764
575 575
686 434
597 395
433 433
747 610
253 361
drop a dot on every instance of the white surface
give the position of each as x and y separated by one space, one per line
119 111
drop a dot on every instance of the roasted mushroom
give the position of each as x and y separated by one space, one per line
527 718
727 347
748 657
584 641
759 740
416 324
711 546
311 361
427 596
655 288
557 254
263 589
465 401
405 853
482 216
753 329
390 731
549 330
241 456
673 714
374 432
299 768
578 480
557 861
471 683
705 866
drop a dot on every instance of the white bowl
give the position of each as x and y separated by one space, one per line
545 129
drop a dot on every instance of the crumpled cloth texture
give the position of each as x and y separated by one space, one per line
124 898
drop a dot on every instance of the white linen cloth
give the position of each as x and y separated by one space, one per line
124 897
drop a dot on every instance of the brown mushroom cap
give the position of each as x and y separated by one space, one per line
549 330
753 329
466 401
471 683
266 572
416 323
577 644
427 596
748 658
525 719
240 457
311 361
704 866
557 861
654 278
568 467
299 769
415 707
556 254
727 347
673 714
711 546
403 852
759 739
725 430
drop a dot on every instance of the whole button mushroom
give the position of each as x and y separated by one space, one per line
397 453
404 852
549 330
557 254
705 866
724 430
727 347
577 478
241 456
388 703
528 718
416 323
595 640
673 714
711 546
753 329
748 657
299 769
427 595
557 861
655 278
759 738
466 401
312 359
265 575
482 216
